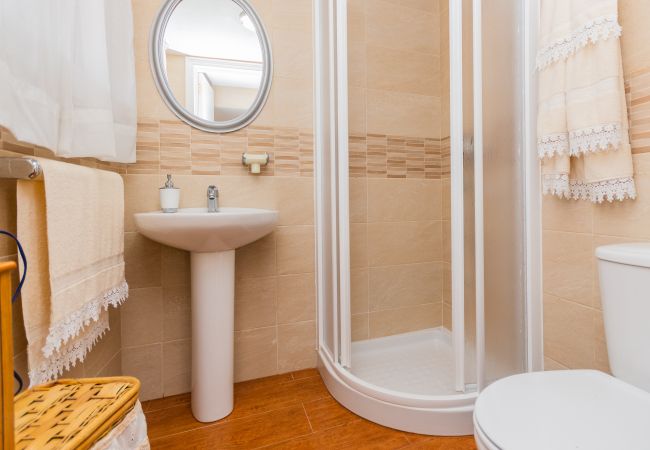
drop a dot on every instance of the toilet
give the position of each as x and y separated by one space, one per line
584 409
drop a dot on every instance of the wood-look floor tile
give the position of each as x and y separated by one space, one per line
177 419
260 383
167 402
251 398
327 413
445 443
305 373
281 395
248 433
359 434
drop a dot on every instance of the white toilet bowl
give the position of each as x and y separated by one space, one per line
558 410
584 409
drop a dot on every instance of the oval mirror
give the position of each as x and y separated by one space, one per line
211 61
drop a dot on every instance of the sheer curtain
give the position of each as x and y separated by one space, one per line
67 76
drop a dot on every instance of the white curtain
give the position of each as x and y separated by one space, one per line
67 76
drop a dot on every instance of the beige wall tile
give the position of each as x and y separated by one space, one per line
293 15
406 285
562 215
400 200
142 317
445 102
145 363
358 245
359 326
296 346
446 283
296 298
423 5
177 363
641 163
403 71
295 249
628 218
391 25
294 200
550 364
446 316
235 191
404 242
292 54
256 259
175 268
446 240
357 66
569 266
256 353
141 194
112 369
177 313
359 291
402 114
446 199
568 333
255 303
358 200
636 35
357 110
149 102
143 260
395 321
292 102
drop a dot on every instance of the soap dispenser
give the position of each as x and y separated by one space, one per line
170 196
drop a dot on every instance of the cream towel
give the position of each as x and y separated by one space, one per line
72 228
582 117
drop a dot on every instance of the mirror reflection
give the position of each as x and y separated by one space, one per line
213 59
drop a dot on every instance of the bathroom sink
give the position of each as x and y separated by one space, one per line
197 230
211 238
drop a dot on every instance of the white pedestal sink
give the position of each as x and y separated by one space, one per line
212 239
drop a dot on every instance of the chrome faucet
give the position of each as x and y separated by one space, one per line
213 199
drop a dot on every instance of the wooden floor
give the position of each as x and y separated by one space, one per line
291 411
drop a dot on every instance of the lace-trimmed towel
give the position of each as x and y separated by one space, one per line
72 228
582 127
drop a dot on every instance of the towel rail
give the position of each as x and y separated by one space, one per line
19 168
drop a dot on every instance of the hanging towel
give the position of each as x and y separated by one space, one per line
583 137
72 227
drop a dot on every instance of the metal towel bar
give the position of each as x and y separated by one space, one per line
19 168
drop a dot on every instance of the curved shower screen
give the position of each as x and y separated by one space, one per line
406 188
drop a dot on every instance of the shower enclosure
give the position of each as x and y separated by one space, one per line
428 239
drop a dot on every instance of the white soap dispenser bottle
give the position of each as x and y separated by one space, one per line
170 196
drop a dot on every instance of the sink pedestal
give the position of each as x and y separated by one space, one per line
213 318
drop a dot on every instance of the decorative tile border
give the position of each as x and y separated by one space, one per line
637 89
169 146
383 156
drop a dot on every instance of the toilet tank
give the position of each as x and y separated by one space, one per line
624 271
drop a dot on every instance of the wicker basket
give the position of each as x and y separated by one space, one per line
72 414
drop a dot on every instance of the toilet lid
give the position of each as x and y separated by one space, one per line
568 409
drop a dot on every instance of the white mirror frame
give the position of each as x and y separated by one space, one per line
156 49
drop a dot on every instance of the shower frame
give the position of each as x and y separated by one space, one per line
427 414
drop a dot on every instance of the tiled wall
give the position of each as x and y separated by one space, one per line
573 322
399 165
275 300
